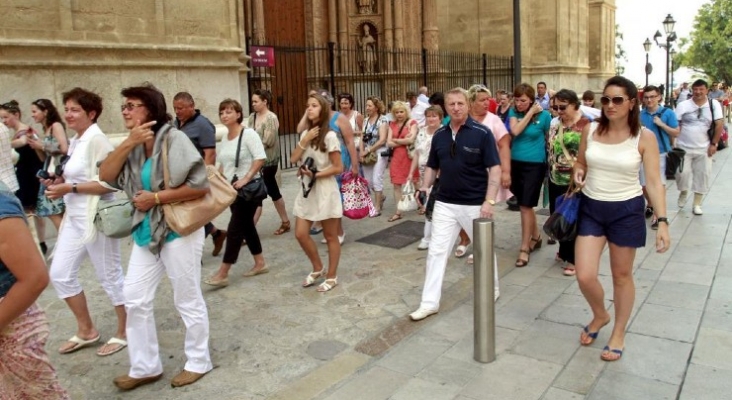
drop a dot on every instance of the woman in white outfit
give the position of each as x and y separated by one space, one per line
374 139
422 144
81 190
136 166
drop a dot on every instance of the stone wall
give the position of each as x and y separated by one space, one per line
49 46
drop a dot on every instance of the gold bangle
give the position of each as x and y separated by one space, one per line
157 199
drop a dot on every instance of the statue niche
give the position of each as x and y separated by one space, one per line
366 6
367 58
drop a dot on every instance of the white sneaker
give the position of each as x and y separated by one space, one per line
697 210
683 196
341 239
421 313
423 245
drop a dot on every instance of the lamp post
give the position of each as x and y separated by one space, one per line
672 53
647 48
668 27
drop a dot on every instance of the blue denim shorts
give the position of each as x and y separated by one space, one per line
621 222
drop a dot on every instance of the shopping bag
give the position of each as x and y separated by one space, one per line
408 201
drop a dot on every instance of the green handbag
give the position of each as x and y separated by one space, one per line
114 218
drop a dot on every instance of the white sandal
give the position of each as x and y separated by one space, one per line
312 277
325 286
461 251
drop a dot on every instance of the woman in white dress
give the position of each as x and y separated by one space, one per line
319 200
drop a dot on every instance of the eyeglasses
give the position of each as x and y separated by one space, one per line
649 97
130 106
617 100
559 108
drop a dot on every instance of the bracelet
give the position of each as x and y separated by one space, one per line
301 146
157 199
74 189
662 219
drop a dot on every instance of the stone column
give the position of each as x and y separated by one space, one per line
398 24
332 22
258 17
601 42
430 33
343 23
388 25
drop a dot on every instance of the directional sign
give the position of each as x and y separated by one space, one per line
262 56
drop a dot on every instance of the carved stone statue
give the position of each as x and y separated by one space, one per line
367 45
366 6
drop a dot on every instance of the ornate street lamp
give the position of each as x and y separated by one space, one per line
647 47
668 27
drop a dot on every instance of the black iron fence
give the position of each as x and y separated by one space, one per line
365 71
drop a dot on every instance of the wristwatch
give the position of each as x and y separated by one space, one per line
74 189
663 219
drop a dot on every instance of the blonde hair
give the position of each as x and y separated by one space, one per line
400 105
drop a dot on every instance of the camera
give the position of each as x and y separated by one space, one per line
308 164
388 152
43 174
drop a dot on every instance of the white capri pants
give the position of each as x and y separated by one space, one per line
374 174
447 220
70 252
697 171
180 260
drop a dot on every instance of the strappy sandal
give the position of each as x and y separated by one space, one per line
312 277
522 263
328 284
536 243
284 227
395 217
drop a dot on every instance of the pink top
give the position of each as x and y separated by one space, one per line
494 123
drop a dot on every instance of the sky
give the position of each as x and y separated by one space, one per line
640 19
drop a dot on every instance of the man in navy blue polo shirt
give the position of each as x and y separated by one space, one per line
464 152
661 121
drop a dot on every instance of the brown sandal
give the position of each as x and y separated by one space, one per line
284 227
536 243
522 263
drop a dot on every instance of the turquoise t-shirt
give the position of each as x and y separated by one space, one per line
142 233
446 121
530 145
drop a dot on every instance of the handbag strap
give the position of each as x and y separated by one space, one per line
166 171
569 158
238 144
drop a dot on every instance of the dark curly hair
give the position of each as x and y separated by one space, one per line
153 100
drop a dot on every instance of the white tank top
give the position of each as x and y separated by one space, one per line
612 169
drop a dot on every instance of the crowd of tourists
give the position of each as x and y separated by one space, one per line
462 152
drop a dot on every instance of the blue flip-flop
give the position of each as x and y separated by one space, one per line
591 335
315 231
607 349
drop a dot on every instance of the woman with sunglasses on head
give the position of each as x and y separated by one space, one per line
136 166
242 156
266 124
610 154
529 126
51 148
318 153
374 139
401 134
563 145
78 238
27 167
25 369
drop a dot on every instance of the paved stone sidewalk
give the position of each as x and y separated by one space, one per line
272 339
679 341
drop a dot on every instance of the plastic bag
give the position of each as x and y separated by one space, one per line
408 201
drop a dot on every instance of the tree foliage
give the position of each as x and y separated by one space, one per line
620 55
710 47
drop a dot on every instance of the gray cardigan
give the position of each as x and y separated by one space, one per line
185 165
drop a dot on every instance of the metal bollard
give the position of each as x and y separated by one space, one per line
484 310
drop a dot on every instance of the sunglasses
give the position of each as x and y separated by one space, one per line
130 106
559 108
617 100
698 113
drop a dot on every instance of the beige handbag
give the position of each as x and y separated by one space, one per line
186 217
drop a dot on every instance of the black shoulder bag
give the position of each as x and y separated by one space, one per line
254 190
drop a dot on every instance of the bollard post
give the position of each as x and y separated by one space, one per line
484 312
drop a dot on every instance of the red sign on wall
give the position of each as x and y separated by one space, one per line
262 56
